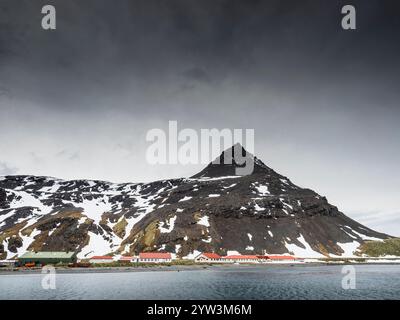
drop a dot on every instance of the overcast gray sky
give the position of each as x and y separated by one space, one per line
78 101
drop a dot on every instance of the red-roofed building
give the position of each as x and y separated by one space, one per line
208 257
101 259
278 258
154 257
281 258
126 259
242 258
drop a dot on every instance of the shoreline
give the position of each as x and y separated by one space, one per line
174 268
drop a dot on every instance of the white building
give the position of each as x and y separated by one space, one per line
207 257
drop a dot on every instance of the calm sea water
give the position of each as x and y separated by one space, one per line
233 282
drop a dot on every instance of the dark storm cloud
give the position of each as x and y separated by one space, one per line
197 74
101 50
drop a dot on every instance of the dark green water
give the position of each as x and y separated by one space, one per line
233 282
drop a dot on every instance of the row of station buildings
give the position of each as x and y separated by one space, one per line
43 258
207 257
238 258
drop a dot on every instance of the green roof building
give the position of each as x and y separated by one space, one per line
48 257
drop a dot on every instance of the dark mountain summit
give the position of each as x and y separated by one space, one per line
215 210
231 161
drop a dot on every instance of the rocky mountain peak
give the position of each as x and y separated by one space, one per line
234 161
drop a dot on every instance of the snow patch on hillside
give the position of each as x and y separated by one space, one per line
95 209
306 252
170 225
192 255
5 216
204 221
230 186
97 246
365 237
262 189
349 248
185 198
28 200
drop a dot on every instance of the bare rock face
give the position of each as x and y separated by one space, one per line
214 210
14 243
3 197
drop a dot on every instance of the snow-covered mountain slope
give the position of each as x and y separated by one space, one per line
214 210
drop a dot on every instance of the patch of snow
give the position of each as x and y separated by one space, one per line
306 252
270 233
208 240
204 221
26 242
284 181
144 208
54 229
286 204
214 195
97 246
249 248
5 216
82 220
365 237
28 200
94 209
250 237
231 186
185 199
349 248
52 189
263 190
171 224
192 255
